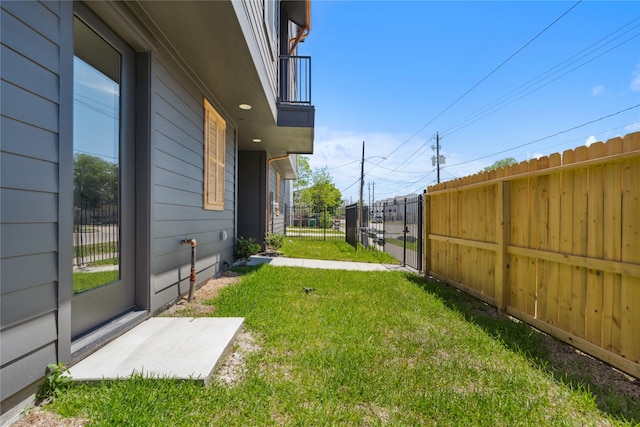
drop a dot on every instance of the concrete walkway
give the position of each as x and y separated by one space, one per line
323 264
185 348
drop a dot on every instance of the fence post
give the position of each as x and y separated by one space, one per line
419 231
503 207
324 223
404 234
426 226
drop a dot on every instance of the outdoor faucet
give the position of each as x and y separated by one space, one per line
192 276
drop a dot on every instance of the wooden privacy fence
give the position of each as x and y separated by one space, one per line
554 242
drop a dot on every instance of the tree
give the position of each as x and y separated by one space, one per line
304 178
322 193
500 164
95 180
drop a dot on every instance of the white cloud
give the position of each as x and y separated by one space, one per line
407 170
633 127
635 81
597 90
590 140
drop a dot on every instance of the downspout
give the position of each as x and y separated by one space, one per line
303 32
269 185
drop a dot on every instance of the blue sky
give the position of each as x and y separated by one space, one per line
393 73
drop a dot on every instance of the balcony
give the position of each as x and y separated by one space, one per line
294 98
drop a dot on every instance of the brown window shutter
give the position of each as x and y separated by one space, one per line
214 165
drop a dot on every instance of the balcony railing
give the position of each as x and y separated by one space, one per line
295 80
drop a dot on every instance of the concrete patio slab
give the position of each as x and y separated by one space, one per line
162 347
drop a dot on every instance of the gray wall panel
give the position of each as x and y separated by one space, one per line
29 43
52 5
35 15
24 372
182 213
182 118
28 174
165 195
252 197
22 339
25 271
27 107
13 203
177 165
182 228
175 148
177 195
171 179
42 299
21 138
29 75
27 239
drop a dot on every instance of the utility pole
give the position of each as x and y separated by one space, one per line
438 154
362 187
437 160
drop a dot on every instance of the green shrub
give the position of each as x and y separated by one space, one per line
246 248
274 241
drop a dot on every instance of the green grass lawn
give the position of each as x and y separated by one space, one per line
364 348
312 230
84 281
334 251
399 242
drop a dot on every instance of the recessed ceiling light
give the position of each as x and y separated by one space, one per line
256 140
244 106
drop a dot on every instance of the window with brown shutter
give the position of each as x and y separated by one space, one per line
214 152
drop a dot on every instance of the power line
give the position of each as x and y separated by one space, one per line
484 78
548 136
494 107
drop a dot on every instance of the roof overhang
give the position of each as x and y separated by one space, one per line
297 11
213 42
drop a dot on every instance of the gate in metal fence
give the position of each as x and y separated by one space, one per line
403 231
351 214
308 224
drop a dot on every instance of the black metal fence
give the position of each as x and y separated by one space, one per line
403 230
95 233
308 224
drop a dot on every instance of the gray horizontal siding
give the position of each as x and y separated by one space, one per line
29 41
178 183
29 199
15 343
268 48
29 275
166 283
26 173
12 203
42 299
28 141
28 239
29 75
26 371
36 17
28 107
